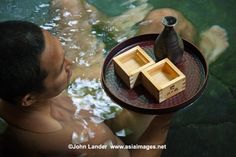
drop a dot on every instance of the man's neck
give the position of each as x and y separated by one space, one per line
42 107
36 117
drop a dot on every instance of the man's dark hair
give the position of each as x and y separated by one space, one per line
21 45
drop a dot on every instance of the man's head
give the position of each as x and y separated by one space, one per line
30 63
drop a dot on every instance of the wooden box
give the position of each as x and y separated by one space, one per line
163 80
129 64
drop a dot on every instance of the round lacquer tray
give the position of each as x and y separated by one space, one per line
138 99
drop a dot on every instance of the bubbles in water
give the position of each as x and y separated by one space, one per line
82 62
67 13
49 26
73 22
56 18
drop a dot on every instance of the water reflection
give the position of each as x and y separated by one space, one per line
86 33
89 95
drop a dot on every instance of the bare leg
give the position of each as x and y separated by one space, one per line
81 46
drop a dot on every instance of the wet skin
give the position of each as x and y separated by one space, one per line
44 121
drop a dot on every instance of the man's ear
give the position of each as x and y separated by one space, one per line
28 100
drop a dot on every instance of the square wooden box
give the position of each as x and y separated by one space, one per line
163 80
129 64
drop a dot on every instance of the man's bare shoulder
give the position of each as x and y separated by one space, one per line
74 133
80 131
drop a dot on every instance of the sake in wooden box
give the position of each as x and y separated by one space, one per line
163 80
129 64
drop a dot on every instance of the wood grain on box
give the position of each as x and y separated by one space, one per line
129 64
163 79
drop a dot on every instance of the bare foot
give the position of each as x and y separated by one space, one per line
214 42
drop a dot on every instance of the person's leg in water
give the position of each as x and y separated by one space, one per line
75 30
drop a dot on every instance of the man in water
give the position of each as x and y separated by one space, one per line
34 73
